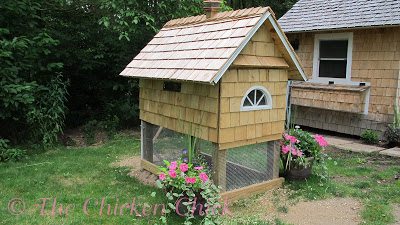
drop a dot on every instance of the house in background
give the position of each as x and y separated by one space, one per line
350 51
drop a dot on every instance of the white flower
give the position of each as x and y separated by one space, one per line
297 127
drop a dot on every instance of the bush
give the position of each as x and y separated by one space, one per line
10 154
89 131
110 126
370 137
392 135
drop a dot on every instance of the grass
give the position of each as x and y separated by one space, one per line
71 176
369 178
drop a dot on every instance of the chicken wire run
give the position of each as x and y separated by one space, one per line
245 165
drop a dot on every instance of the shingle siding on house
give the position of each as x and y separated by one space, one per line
376 59
312 15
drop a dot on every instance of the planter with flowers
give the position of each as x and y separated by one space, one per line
299 151
188 188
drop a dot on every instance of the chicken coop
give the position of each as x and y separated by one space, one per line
222 78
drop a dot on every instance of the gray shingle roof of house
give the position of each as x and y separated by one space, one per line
309 15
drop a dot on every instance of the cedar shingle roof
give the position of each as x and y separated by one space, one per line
309 15
197 48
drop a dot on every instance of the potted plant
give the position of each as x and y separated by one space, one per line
299 151
189 191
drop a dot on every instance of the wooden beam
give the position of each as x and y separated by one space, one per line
152 168
148 132
266 62
273 159
219 167
251 190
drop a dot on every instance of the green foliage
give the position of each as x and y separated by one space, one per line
392 135
46 118
189 185
48 44
89 131
10 154
278 6
110 126
29 95
370 137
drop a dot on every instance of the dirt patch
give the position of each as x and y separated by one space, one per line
133 163
396 213
70 181
75 137
330 211
278 204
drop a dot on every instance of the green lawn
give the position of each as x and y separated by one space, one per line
73 175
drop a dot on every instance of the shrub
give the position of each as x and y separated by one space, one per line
370 137
89 131
392 135
46 119
10 154
110 126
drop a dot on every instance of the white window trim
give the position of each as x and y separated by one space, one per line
333 36
258 107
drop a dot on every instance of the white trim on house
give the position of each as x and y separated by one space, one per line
316 59
256 101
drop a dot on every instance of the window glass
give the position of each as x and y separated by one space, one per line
333 58
333 49
256 98
332 68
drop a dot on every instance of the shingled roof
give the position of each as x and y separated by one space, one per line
310 15
201 49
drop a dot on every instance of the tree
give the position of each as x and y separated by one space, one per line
280 7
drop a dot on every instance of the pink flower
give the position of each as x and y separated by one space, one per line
172 173
198 168
290 138
183 167
203 177
285 149
190 180
173 165
294 151
299 153
321 140
161 176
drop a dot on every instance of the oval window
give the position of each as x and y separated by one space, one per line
256 98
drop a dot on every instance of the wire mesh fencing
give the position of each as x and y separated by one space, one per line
237 167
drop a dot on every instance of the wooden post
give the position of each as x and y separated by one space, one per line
147 134
273 159
219 167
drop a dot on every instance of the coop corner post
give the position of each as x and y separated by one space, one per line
147 133
219 167
273 159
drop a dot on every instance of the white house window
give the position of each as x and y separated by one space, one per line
256 98
332 57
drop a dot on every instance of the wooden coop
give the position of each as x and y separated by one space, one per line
222 78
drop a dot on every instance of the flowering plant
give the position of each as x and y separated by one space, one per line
189 186
297 146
